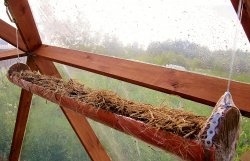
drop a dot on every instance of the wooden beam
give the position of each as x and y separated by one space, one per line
10 54
245 20
8 34
86 135
21 122
21 12
79 123
196 87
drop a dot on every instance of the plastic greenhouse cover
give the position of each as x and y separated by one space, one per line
195 35
119 145
49 135
9 97
3 14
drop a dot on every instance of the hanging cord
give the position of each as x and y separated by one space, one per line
17 43
239 15
8 12
13 21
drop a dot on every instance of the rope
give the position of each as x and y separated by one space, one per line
239 15
6 3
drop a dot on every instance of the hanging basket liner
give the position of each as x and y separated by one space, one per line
228 129
187 149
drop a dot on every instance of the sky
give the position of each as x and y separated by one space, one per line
210 23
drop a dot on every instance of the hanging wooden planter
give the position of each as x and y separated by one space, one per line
175 131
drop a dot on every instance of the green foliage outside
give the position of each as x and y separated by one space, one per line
49 136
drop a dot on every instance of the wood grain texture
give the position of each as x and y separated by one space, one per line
86 135
245 20
79 123
196 87
10 54
187 149
8 34
20 126
21 12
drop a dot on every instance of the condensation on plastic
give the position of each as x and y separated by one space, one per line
9 97
49 135
3 14
8 103
115 144
122 147
196 35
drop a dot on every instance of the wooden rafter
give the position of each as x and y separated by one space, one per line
166 80
21 122
21 12
8 34
185 84
79 123
10 54
245 20
30 40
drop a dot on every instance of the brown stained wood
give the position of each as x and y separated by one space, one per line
79 123
8 34
196 87
188 149
21 12
245 20
20 126
86 135
10 54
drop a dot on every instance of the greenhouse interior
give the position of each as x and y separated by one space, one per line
124 80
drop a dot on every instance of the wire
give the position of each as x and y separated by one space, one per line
13 21
17 43
239 15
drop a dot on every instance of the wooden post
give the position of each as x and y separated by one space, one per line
21 122
24 20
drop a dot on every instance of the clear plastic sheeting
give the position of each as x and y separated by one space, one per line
4 45
3 14
5 64
49 135
122 147
116 143
9 97
195 35
119 145
8 110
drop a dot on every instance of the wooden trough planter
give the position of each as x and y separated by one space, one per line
186 137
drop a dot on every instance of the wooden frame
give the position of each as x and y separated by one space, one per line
8 33
245 20
167 80
30 38
10 54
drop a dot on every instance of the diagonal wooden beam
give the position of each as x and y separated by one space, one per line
10 54
21 122
21 12
86 135
79 123
185 84
8 34
245 20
